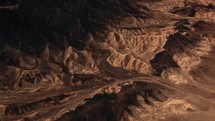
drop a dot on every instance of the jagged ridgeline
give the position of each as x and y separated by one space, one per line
107 60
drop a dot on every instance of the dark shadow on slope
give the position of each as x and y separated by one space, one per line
38 22
111 107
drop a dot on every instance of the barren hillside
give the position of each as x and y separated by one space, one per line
107 60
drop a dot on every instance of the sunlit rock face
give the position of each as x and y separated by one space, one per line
107 60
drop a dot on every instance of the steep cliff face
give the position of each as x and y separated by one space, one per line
107 60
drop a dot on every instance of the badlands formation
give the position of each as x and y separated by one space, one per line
107 60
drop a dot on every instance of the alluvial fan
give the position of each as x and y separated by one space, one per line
107 60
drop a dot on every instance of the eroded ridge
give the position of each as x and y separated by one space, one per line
107 60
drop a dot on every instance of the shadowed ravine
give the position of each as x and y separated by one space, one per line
107 60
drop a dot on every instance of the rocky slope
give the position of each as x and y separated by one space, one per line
107 60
